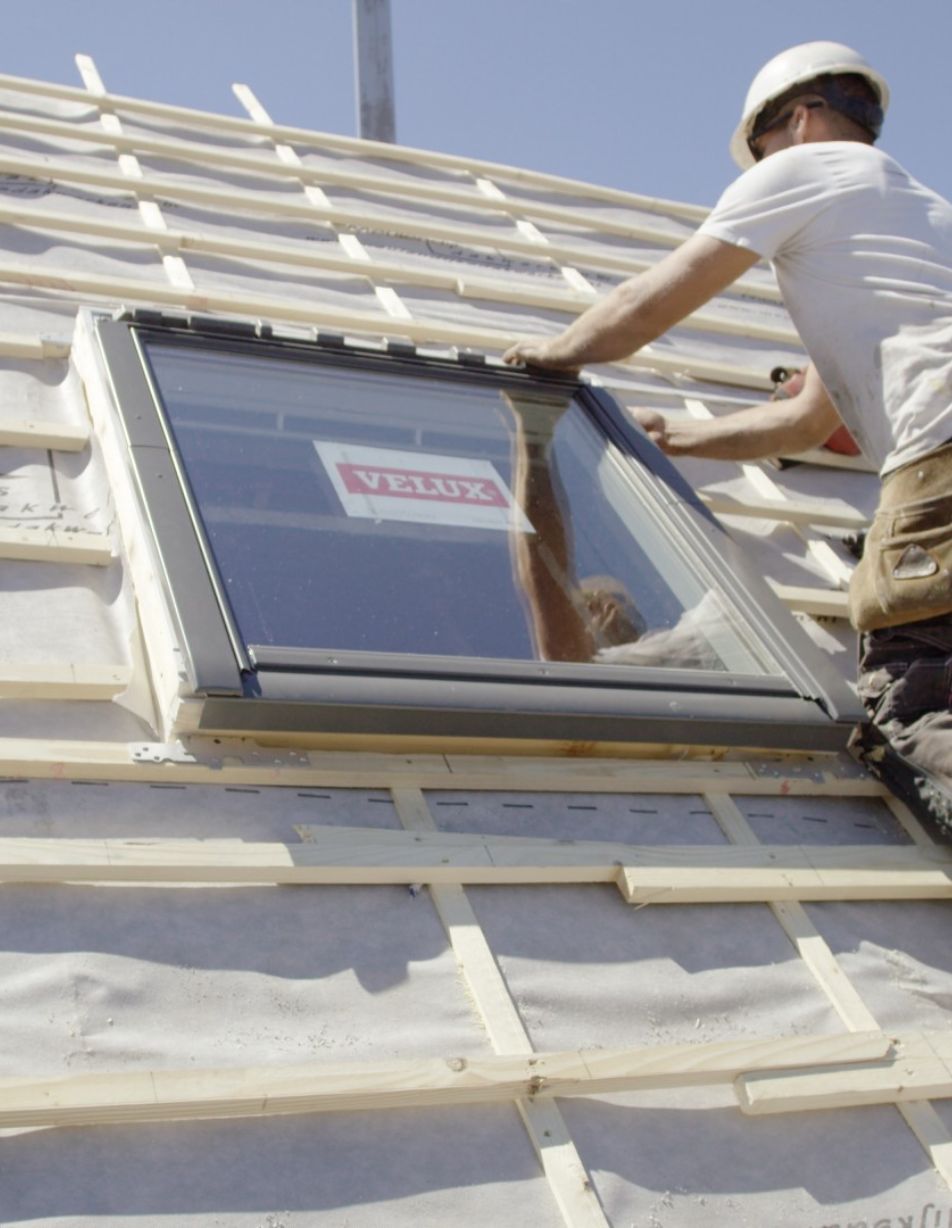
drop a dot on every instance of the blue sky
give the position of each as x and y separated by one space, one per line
636 95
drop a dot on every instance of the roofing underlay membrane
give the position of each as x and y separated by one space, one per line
279 983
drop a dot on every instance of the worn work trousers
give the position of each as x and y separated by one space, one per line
905 671
905 681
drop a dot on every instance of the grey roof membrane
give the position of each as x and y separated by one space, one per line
101 978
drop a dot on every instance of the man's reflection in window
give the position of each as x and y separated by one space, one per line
568 620
594 619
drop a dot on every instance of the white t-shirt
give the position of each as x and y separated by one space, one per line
863 257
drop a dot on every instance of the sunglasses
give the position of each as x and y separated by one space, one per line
784 116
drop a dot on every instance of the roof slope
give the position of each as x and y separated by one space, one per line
250 985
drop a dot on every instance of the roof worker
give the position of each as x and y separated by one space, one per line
863 258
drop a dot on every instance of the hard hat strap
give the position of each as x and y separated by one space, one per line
869 115
864 112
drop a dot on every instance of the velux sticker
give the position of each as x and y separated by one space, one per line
421 487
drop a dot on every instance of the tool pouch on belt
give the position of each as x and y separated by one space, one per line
905 574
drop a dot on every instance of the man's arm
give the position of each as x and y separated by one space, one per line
789 426
543 559
642 308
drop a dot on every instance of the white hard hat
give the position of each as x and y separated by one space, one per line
790 68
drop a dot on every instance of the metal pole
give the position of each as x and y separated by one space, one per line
374 55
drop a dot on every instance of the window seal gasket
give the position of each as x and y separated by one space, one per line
220 666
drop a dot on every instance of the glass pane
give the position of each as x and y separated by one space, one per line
404 513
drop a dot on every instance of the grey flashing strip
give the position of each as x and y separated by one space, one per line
210 655
439 708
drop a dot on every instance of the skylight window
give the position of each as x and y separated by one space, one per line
372 540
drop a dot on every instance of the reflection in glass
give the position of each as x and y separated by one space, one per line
397 512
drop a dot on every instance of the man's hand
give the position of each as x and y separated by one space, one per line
539 352
654 425
779 428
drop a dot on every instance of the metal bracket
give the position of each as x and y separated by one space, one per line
212 752
161 752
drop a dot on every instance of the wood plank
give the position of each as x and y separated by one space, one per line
204 154
675 875
457 196
836 515
174 1095
548 298
920 1117
910 824
834 460
304 136
768 494
55 546
62 682
613 775
692 776
309 255
271 251
735 886
918 1069
374 323
32 346
351 216
235 762
839 570
290 163
556 751
933 1134
58 436
798 927
112 133
491 995
825 603
568 1178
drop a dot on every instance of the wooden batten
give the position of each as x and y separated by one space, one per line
233 762
648 874
62 682
820 602
230 200
570 1183
304 255
789 510
919 1115
273 307
919 1068
55 546
32 346
214 122
203 154
175 1095
58 436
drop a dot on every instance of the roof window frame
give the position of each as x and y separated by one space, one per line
247 689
